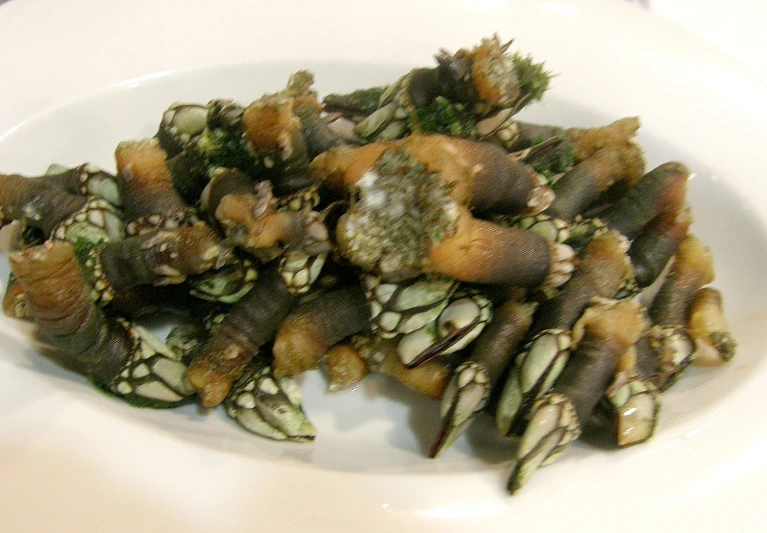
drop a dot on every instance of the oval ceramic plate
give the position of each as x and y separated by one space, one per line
76 460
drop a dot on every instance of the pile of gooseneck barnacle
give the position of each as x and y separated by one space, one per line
419 230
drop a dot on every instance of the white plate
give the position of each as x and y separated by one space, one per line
72 459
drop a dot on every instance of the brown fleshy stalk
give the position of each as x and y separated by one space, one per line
146 188
311 329
429 379
660 190
344 367
602 268
579 187
708 327
380 234
252 322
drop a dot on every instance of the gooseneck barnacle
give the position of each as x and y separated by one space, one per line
418 230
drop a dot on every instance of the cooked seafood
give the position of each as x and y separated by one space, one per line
418 230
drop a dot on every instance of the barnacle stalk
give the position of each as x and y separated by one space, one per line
312 328
251 323
602 268
577 188
275 133
381 235
58 214
479 175
146 187
157 257
429 379
585 141
344 366
605 333
660 190
657 243
473 380
268 406
120 357
709 329
692 268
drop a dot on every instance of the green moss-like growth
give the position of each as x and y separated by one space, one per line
558 159
220 148
446 118
533 78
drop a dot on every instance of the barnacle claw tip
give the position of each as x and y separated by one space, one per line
553 426
465 396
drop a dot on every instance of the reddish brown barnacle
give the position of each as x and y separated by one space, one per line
484 252
657 243
588 141
693 267
252 223
59 302
157 257
609 327
57 297
20 237
429 379
604 335
252 322
275 134
146 188
709 329
660 190
493 73
602 268
312 328
579 187
39 203
407 219
120 357
479 175
669 348
344 366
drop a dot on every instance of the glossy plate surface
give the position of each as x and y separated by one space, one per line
73 457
